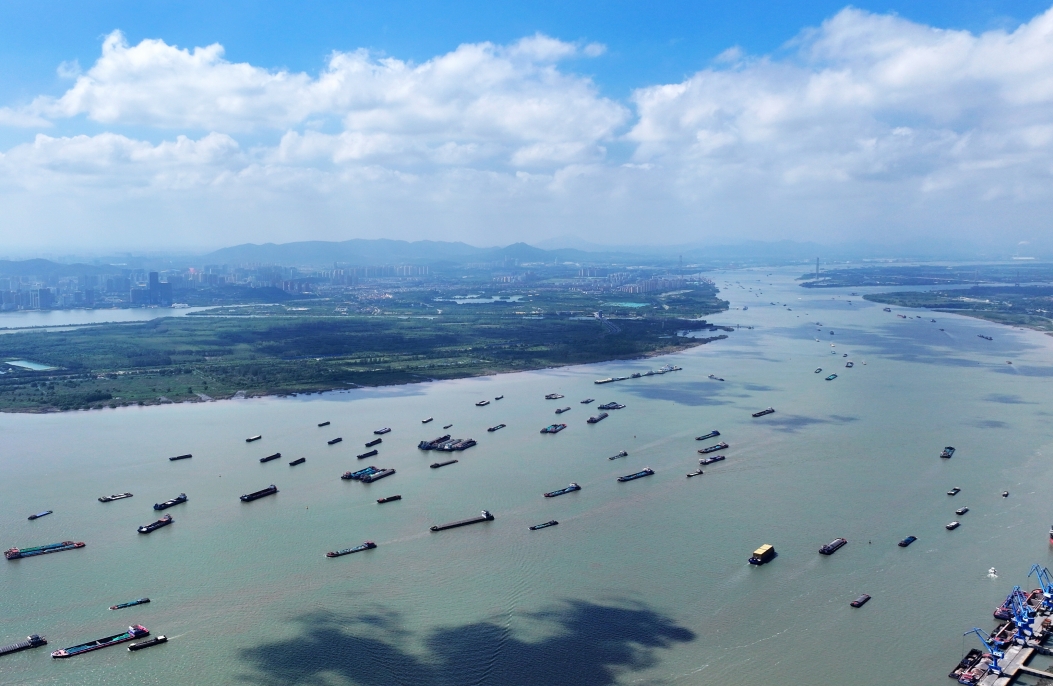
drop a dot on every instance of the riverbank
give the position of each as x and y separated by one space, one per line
1024 306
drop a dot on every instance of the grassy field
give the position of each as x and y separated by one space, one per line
1027 306
373 339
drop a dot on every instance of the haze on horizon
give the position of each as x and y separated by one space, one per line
851 126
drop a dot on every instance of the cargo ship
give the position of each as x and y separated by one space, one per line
436 465
389 499
181 498
275 456
711 460
553 428
334 441
763 412
562 410
323 424
256 495
833 546
429 419
586 401
38 515
32 641
706 437
375 441
598 418
148 643
497 427
250 439
355 476
713 448
763 555
611 406
381 432
569 489
368 545
482 403
134 632
907 541
371 453
553 396
115 496
646 471
180 457
484 516
948 452
154 526
18 553
299 460
544 525
377 475
621 453
131 603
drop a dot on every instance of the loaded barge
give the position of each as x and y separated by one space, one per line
132 603
763 412
275 456
181 498
19 553
569 489
180 457
484 516
646 471
148 643
115 496
154 526
256 495
368 545
713 448
833 546
706 437
32 641
370 453
436 465
376 476
598 418
134 632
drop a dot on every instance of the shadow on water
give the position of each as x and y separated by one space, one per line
1006 399
792 423
583 643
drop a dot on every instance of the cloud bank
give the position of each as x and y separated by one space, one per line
867 126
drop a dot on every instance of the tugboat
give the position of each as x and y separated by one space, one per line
381 432
711 460
368 545
833 546
713 448
497 427
32 641
544 525
275 456
181 498
569 489
148 643
598 418
947 452
116 496
961 510
163 521
562 410
860 601
256 495
763 555
586 401
621 453
482 403
19 553
907 541
553 396
135 631
38 515
706 437
389 499
646 471
764 412
953 525
954 491
132 603
553 428
484 516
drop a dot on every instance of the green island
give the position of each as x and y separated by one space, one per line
929 275
369 338
1026 306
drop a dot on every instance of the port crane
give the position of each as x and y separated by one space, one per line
1046 582
996 653
1022 616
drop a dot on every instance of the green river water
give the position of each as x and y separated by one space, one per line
641 583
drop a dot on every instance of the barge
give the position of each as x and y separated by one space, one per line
713 448
275 456
389 499
180 457
544 525
355 476
334 441
553 396
484 516
907 541
131 603
768 410
586 401
368 545
833 546
646 471
250 439
706 437
381 432
19 553
763 555
256 495
375 441
321 424
497 427
954 491
436 465
611 406
621 453
154 526
569 489
553 428
860 601
482 403
948 452
598 418
371 453
181 498
377 476
115 496
135 631
148 643
32 641
38 515
562 410
697 472
711 460
299 460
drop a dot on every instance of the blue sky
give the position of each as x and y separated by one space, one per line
618 122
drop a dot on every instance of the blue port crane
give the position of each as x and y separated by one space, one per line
1022 616
1046 582
992 648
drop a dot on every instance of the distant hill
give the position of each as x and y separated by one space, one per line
45 268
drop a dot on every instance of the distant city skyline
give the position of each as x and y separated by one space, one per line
152 129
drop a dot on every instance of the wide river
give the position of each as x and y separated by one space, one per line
643 582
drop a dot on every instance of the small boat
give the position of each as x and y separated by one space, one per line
850 364
569 489
953 525
299 460
887 309
135 631
713 448
586 401
818 370
845 355
611 406
764 412
275 456
334 441
706 437
715 377
860 601
562 410
381 432
436 465
763 555
553 428
831 377
711 460
621 453
154 526
375 441
961 510
500 397
368 545
697 472
250 439
497 427
148 643
32 641
954 491
323 424
371 453
482 403
425 421
447 426
256 495
544 525
933 321
180 457
597 419
1005 494
553 396
833 546
907 541
38 515
131 603
947 452
181 498
484 516
377 475
115 496
389 499
646 471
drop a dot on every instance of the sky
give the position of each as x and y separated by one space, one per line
193 125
